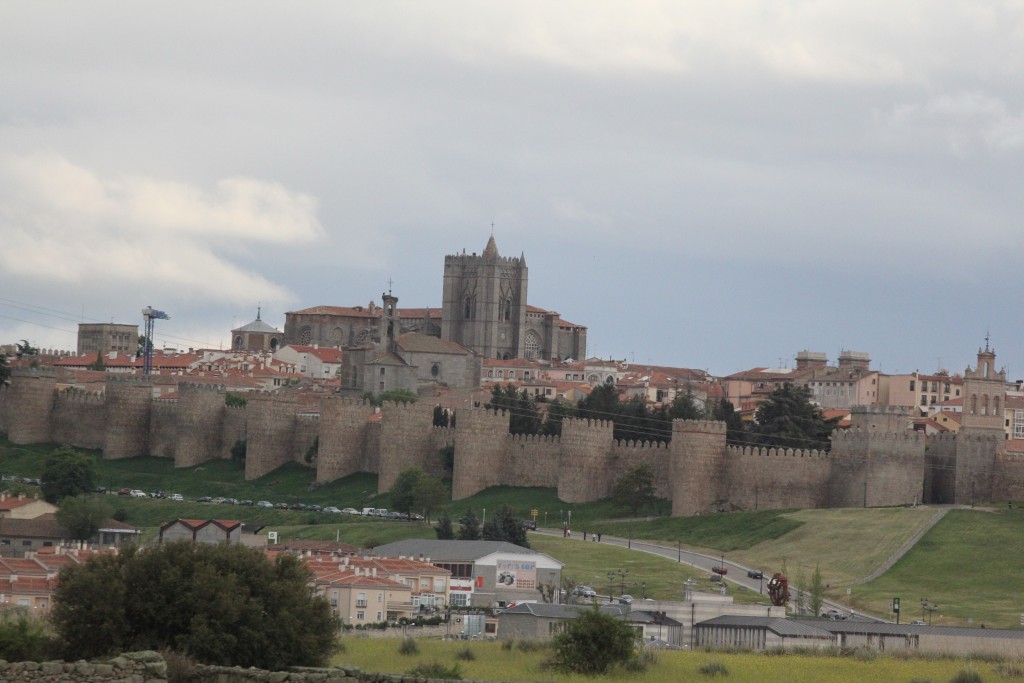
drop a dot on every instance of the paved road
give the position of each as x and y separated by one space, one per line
737 573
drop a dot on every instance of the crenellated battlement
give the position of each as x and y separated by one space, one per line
82 396
201 387
640 445
125 379
699 426
762 452
478 259
165 404
589 423
533 438
44 372
856 434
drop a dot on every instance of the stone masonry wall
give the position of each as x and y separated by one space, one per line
128 406
405 440
585 460
531 460
975 461
201 410
30 407
163 427
698 466
940 469
78 419
874 468
270 426
147 666
481 438
773 479
307 427
5 391
233 430
343 438
625 455
1008 477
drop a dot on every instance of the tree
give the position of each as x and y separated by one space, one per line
428 494
67 472
98 364
558 411
522 409
634 491
221 604
817 591
593 642
723 411
23 348
506 526
788 419
402 498
469 527
684 406
392 396
82 516
5 370
234 400
444 529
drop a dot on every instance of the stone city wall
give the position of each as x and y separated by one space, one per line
78 419
696 469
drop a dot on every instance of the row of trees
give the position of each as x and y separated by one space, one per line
787 419
505 525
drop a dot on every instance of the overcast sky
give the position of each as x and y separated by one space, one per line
714 185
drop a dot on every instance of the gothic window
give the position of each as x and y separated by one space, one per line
238 342
469 309
337 334
984 404
974 404
508 309
305 335
532 345
995 405
274 344
435 370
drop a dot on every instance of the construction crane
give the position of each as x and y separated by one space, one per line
150 314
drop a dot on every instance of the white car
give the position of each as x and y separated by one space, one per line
331 509
350 511
135 493
176 496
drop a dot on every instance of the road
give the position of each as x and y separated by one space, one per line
737 573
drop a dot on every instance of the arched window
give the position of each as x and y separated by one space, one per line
468 314
239 342
974 404
274 343
508 309
532 345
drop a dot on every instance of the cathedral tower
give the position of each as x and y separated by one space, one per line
484 302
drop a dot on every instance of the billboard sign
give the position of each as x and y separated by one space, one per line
515 575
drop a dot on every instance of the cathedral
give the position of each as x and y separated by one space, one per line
484 309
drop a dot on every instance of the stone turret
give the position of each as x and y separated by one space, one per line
697 466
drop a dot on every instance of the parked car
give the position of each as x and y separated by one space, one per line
394 516
721 571
755 574
136 493
125 491
350 511
204 499
297 506
264 504
218 500
584 591
314 508
245 502
834 615
280 506
177 497
917 622
330 509
530 524
625 599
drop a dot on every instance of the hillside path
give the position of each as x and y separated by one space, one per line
904 549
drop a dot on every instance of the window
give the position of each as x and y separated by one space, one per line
380 616
361 600
382 372
435 370
924 400
380 598
360 615
911 385
460 599
27 543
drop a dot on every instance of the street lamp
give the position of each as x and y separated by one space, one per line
611 577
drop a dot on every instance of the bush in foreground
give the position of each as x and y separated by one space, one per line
219 604
594 642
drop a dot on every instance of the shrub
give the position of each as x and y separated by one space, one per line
644 659
408 647
715 668
592 643
966 676
437 670
530 645
1010 670
508 644
180 668
466 654
24 639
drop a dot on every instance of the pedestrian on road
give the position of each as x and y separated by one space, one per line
584 534
599 537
